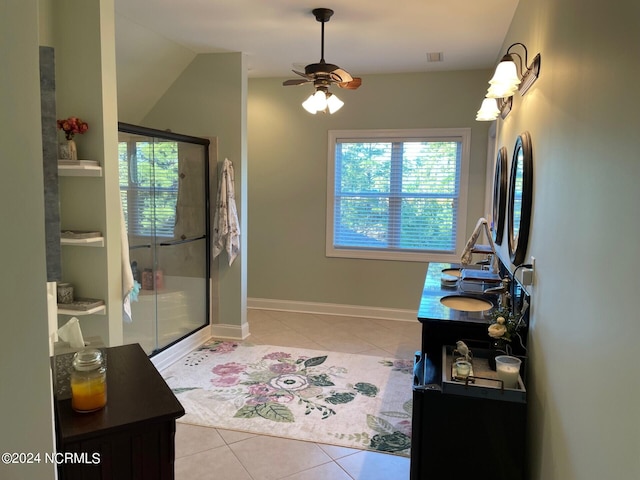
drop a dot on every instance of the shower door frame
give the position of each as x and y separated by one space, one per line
177 137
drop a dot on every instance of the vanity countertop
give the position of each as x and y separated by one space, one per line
430 307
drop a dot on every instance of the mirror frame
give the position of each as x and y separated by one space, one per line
499 195
518 241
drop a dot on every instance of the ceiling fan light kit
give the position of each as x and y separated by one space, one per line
322 75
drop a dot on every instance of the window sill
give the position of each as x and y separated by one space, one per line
393 255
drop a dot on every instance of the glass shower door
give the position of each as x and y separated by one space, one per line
164 191
181 258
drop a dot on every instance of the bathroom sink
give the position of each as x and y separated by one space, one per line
465 303
454 272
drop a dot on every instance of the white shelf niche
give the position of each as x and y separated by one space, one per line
99 310
83 242
79 170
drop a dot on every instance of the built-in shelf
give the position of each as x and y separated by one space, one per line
83 242
99 310
79 171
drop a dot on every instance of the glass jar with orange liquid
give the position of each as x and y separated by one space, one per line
88 381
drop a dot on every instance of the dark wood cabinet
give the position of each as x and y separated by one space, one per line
461 434
133 436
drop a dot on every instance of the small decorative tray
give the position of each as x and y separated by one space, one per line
82 304
482 382
475 275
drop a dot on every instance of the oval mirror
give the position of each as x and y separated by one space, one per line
499 195
520 198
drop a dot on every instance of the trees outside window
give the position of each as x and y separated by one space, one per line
397 194
149 186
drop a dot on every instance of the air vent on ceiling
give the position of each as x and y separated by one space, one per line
435 56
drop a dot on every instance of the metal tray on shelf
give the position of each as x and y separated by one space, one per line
483 383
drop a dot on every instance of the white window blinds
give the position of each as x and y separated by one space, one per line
395 193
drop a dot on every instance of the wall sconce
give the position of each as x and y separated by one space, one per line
492 107
322 101
506 80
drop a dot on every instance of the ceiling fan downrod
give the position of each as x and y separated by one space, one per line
322 15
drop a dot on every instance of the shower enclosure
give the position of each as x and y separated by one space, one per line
164 187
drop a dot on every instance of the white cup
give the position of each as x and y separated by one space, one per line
508 370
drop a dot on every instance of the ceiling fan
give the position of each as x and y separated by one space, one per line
323 74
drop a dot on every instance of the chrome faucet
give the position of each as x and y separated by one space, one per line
503 291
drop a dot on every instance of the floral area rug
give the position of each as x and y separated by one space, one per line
355 401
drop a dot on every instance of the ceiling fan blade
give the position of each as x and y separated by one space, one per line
302 74
296 81
340 76
352 85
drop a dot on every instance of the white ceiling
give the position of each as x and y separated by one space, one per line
363 36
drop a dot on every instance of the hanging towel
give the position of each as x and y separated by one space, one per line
190 204
226 229
128 283
467 253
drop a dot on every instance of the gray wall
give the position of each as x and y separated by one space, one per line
288 173
583 118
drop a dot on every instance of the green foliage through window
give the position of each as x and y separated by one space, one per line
148 173
396 194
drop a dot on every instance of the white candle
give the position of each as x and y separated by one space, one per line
508 370
463 369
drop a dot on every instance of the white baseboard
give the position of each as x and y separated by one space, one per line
169 356
241 332
231 332
333 309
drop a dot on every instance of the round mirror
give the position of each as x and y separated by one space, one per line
520 198
499 195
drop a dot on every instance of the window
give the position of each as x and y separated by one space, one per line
397 194
149 186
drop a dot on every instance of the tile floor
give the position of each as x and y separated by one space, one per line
209 453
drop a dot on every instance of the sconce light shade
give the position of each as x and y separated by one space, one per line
321 101
501 91
505 80
488 111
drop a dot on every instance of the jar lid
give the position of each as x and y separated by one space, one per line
88 359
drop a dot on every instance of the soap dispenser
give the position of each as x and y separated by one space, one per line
505 296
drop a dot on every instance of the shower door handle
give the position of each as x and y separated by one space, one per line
135 247
181 241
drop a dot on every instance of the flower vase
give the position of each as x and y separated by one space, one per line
73 152
496 347
67 150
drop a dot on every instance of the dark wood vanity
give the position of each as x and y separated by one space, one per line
132 437
462 432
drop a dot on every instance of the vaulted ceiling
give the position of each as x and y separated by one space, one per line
363 36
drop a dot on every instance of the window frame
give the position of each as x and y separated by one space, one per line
401 135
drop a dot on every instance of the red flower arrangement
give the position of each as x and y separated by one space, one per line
71 126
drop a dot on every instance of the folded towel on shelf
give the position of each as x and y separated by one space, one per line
226 228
